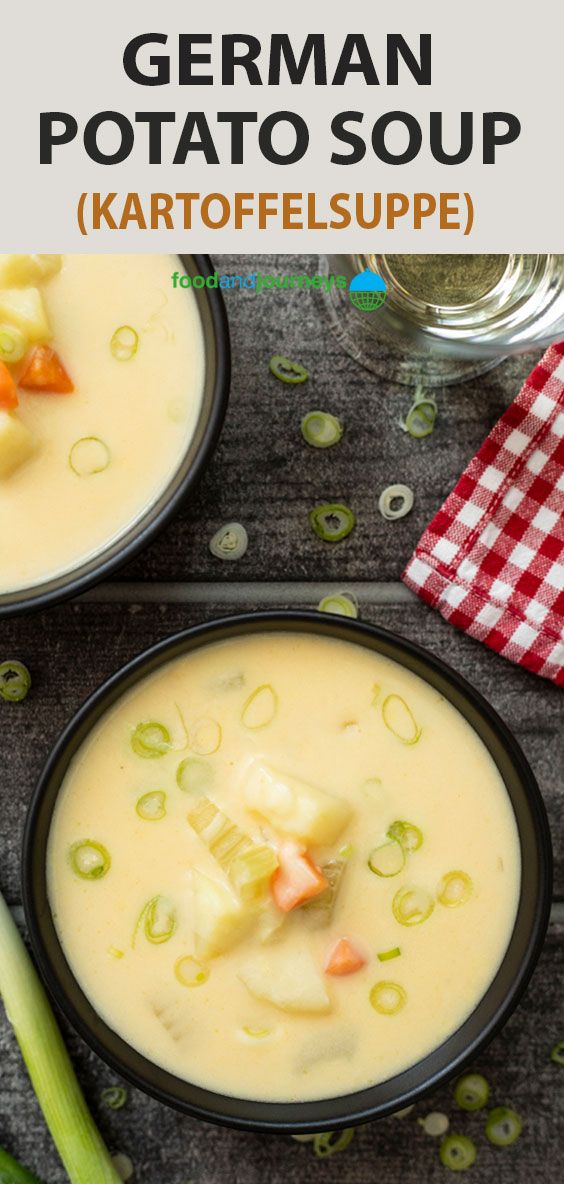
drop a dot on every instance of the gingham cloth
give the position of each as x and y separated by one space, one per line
492 559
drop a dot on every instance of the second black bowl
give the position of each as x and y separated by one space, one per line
487 1017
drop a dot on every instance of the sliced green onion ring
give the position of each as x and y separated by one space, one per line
190 972
406 833
457 1152
89 859
194 775
204 737
13 344
89 456
332 522
151 806
229 542
557 1054
124 343
123 1166
399 719
321 430
157 919
115 1096
331 1142
388 859
287 371
503 1126
260 708
420 419
387 955
387 998
15 681
341 604
435 1124
412 906
257 1033
454 889
401 494
471 1092
151 740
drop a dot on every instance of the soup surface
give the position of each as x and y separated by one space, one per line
283 867
103 452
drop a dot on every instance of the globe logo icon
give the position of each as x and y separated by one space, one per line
367 291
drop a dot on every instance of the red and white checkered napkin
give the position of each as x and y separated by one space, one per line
492 559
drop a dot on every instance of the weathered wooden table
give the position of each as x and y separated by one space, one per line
265 476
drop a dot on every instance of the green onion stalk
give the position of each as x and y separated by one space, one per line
80 1146
12 1172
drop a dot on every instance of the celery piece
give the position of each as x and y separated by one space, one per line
250 871
249 865
320 908
223 839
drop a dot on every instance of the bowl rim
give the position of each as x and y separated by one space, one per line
141 532
349 1109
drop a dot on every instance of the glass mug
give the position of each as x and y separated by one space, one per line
445 317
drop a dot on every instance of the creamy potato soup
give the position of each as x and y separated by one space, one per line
101 380
283 867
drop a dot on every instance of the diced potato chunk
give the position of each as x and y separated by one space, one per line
16 443
293 806
19 270
24 307
220 921
288 978
270 924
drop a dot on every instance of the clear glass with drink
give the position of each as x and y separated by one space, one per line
443 318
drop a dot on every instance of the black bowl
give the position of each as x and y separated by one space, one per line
490 1013
214 405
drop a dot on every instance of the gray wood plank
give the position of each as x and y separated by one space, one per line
168 1148
265 476
73 648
